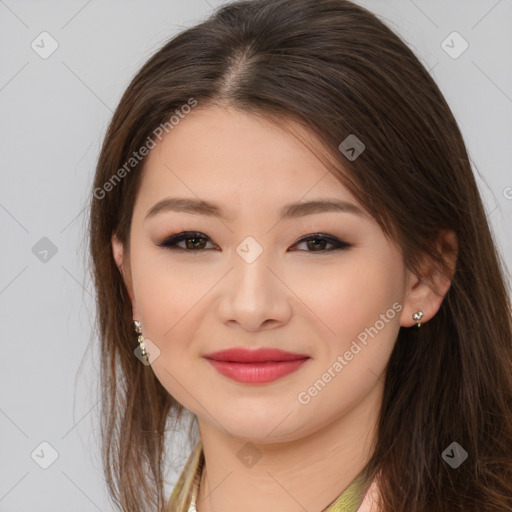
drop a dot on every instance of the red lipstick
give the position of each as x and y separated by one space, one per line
255 366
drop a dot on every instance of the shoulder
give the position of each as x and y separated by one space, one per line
180 497
371 498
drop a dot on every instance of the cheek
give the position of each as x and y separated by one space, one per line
357 310
167 296
353 293
359 299
170 306
169 315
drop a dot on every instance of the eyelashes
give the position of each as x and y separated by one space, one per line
172 241
199 240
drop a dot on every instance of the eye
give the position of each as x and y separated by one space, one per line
318 241
196 241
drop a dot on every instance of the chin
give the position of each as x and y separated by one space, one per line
263 427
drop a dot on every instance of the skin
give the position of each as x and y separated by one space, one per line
294 296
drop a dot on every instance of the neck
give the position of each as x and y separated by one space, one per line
307 473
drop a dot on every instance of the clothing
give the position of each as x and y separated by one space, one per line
357 497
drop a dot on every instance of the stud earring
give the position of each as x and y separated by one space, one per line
417 317
138 330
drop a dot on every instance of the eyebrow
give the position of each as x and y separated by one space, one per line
289 211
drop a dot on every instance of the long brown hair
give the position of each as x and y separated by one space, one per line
337 69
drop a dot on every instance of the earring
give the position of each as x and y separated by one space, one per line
138 330
417 317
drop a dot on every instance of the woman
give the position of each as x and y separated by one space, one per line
288 242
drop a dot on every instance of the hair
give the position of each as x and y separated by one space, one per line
335 68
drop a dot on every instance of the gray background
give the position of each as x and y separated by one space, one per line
54 113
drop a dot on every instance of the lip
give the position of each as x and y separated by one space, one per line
255 366
260 355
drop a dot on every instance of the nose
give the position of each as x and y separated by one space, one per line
254 295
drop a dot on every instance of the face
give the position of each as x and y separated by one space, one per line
321 282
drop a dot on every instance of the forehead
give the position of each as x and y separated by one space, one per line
233 157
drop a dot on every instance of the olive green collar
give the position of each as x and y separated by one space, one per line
348 501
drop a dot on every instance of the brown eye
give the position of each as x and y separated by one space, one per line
194 241
318 242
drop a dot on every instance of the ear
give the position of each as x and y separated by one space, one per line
122 261
426 293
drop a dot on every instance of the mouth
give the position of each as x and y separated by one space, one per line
261 355
256 366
